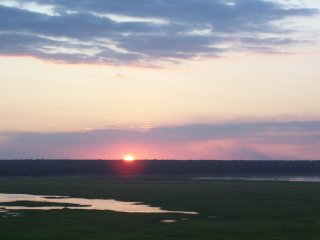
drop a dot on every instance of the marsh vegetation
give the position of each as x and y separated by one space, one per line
228 210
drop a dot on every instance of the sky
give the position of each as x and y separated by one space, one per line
160 79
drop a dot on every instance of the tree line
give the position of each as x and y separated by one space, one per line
153 167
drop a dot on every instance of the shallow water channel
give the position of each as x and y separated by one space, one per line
265 178
38 202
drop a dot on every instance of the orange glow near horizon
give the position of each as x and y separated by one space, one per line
129 158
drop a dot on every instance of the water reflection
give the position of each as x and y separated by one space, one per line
169 221
18 202
265 178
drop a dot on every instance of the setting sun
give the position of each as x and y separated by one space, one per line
128 158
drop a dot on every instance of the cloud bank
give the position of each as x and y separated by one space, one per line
141 31
270 140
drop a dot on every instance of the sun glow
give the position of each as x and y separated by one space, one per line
129 158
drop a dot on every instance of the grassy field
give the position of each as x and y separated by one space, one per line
227 209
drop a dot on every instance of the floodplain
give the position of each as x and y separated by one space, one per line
227 209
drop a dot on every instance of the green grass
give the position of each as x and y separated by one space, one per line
228 210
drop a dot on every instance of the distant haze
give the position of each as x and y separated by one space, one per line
256 141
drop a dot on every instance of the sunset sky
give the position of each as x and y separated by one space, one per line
160 79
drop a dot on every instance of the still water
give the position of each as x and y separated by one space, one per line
265 178
77 203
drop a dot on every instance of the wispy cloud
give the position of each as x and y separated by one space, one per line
93 31
277 140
